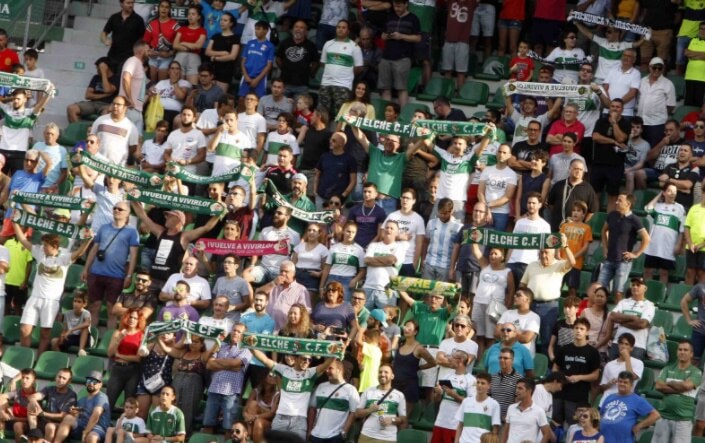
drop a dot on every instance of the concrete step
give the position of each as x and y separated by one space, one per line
70 78
89 24
99 10
84 38
70 50
75 63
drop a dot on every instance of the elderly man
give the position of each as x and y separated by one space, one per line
620 412
117 134
383 259
566 192
336 172
200 294
623 82
284 292
522 360
567 123
504 380
657 100
545 278
619 235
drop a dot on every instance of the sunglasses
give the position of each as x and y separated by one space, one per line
358 299
119 209
657 67
459 325
92 382
305 358
507 330
699 126
142 280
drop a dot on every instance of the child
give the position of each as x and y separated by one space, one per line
563 330
392 331
368 341
579 236
77 323
13 406
304 110
521 67
18 275
129 426
280 137
257 61
31 70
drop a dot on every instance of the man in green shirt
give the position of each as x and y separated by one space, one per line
166 420
678 382
298 199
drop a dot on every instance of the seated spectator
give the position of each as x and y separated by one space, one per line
21 390
623 362
280 137
559 164
522 151
522 361
272 106
261 406
566 57
89 420
129 425
166 420
528 115
199 288
637 149
100 92
527 322
205 95
683 174
76 327
48 407
172 92
567 123
623 82
661 155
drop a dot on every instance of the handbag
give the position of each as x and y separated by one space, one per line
154 113
495 310
155 382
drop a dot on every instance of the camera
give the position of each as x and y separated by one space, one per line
100 255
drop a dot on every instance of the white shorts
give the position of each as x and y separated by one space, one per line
455 57
429 376
42 309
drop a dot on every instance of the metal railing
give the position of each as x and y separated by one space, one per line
49 15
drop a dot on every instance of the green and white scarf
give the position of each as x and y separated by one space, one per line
293 345
175 170
139 178
68 230
547 89
310 217
422 286
53 201
180 324
185 203
509 240
14 81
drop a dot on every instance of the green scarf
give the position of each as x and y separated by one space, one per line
442 127
196 205
310 217
508 240
53 201
175 170
14 81
52 226
110 169
421 286
293 345
180 324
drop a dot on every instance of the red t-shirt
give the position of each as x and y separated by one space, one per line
8 57
526 69
460 13
691 118
167 30
559 127
550 10
190 35
130 344
513 10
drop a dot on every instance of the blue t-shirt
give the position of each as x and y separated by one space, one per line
335 173
57 154
258 325
26 182
522 358
368 221
211 19
619 414
89 404
257 54
117 251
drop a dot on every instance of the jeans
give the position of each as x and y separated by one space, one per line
619 271
682 43
434 273
517 269
548 312
378 298
345 281
215 403
389 204
147 257
323 34
500 221
123 377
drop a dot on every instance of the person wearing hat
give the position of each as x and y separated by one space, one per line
623 415
297 197
336 172
89 420
172 242
34 436
657 100
632 315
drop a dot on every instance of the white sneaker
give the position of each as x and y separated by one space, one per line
82 353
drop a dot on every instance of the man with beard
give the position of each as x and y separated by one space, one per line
610 137
17 127
298 199
280 230
117 134
662 155
334 407
382 409
258 322
274 104
139 298
57 399
336 172
90 419
133 81
181 307
297 58
566 192
683 175
187 145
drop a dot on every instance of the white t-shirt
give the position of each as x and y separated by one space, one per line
524 423
296 390
523 322
270 233
497 181
310 259
644 310
668 221
610 54
167 94
378 276
411 224
448 346
252 125
464 385
620 83
16 127
346 260
612 370
521 124
543 399
152 152
275 141
340 57
208 120
51 273
394 405
492 285
229 151
135 425
566 73
134 67
333 413
185 146
115 137
225 324
200 289
454 178
527 226
473 414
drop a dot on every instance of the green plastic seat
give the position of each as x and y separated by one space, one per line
638 267
11 329
55 332
202 437
597 257
379 104
641 198
655 291
93 336
49 364
678 275
663 319
681 330
494 68
414 79
436 87
472 93
679 84
472 63
73 277
102 348
596 222
540 366
682 111
84 365
673 297
74 133
407 111
497 101
585 281
646 382
18 357
411 436
315 81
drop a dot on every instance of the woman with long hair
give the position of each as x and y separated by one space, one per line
158 361
334 317
596 314
407 364
299 325
261 407
360 94
589 432
160 35
223 49
124 358
309 257
567 57
188 43
172 91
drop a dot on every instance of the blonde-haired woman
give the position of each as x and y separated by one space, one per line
589 432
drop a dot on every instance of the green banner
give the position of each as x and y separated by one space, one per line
293 345
133 176
14 81
508 240
196 205
175 170
547 89
53 201
69 230
310 217
180 324
422 286
443 127
384 127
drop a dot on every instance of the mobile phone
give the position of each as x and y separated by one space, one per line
337 331
445 383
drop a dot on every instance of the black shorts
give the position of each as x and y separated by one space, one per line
606 176
653 262
545 32
422 49
695 260
572 278
71 340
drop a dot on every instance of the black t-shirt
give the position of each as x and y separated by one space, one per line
296 61
605 154
622 234
224 70
124 34
523 150
687 173
97 85
314 145
408 25
561 200
658 14
577 360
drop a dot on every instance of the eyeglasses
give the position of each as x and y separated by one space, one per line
460 325
657 67
92 382
358 299
119 209
30 160
585 416
507 330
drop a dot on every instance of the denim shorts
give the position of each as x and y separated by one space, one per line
510 24
161 62
617 272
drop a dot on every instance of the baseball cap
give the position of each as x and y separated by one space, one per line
656 61
178 214
380 316
62 213
639 280
299 176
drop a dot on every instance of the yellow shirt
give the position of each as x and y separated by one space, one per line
371 361
696 68
695 223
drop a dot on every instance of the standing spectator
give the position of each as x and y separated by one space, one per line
526 115
460 341
314 141
223 49
635 157
683 174
28 179
531 223
462 386
580 363
483 23
279 231
546 25
133 80
475 411
122 352
658 16
383 260
633 315
188 43
139 298
411 230
180 308
454 178
99 94
610 137
159 35
678 382
497 188
309 256
443 110
345 263
694 79
619 235
456 49
401 31
258 321
227 384
200 291
698 335
621 412
664 153
115 245
520 359
523 150
695 241
527 322
187 145
297 56
385 409
165 419
610 49
89 420
579 236
252 123
228 144
568 122
206 93
120 33
236 289
623 82
8 56
342 59
284 292
276 104
172 93
438 243
58 171
221 306
117 134
18 122
336 172
657 100
666 232
566 57
523 420
623 362
334 403
368 215
371 57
